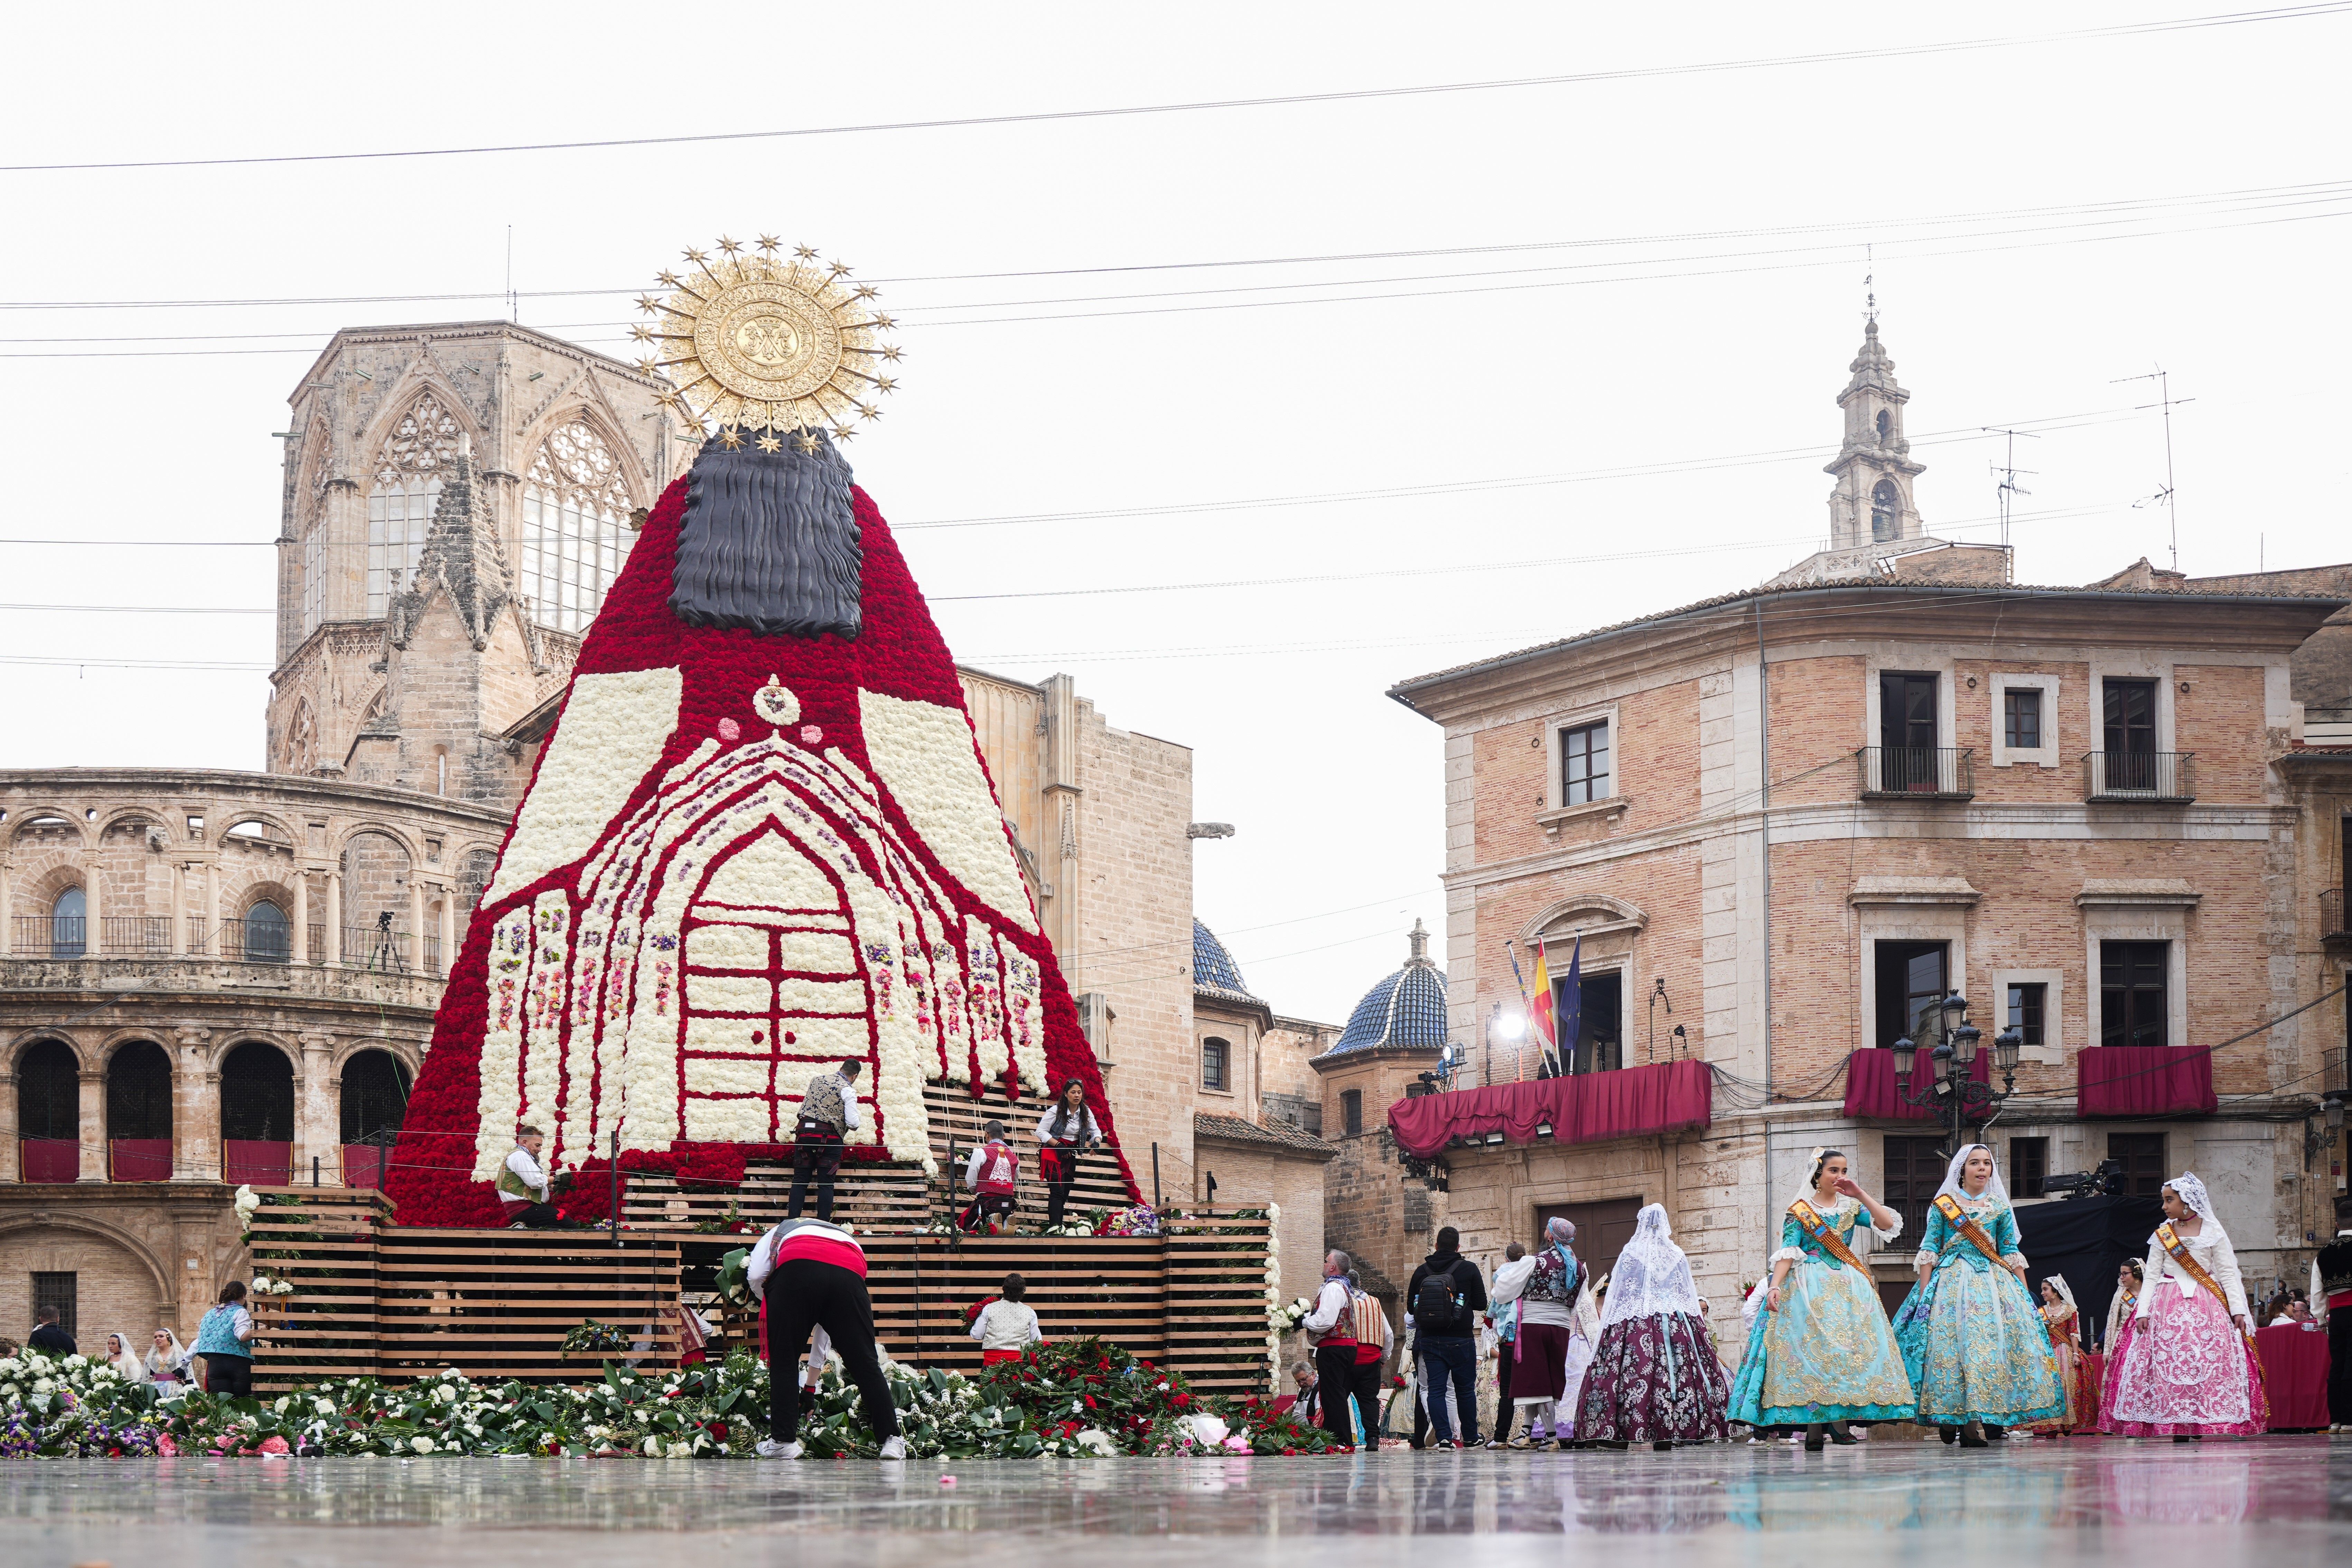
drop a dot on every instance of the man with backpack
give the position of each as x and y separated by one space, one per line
1445 1297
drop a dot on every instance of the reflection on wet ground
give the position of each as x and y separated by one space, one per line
2048 1503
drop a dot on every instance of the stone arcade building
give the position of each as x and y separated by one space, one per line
210 976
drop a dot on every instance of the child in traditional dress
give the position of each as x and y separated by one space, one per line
1007 1326
1822 1353
1977 1350
2190 1370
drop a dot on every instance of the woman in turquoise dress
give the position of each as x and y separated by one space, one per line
1820 1353
1973 1342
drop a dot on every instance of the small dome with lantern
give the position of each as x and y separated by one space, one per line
1406 1008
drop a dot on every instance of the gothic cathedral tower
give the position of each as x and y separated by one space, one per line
1872 502
457 497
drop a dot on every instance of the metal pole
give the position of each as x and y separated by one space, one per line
615 1187
1155 1174
381 1149
314 1170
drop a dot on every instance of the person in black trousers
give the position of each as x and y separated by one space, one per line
2331 1282
1447 1343
828 1115
811 1277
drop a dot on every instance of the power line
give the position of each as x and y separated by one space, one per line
1835 57
151 609
1882 229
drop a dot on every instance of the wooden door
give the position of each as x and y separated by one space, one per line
1602 1229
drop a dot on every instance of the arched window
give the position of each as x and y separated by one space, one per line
1216 1064
1885 513
375 1096
267 938
70 924
139 1113
1885 425
400 508
48 1111
257 1099
575 527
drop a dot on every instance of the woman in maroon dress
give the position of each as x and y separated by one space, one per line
1655 1377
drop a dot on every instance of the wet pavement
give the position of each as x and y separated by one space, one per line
2281 1500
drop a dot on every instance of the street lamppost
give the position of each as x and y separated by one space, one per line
1950 1094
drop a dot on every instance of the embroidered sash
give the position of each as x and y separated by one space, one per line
1818 1229
2172 1243
1955 1217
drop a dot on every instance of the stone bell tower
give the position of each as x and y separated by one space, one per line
1872 502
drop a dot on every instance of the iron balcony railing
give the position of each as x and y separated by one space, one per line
136 935
2162 776
1917 772
2332 926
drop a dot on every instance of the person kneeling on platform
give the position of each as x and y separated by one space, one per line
525 1188
1007 1326
994 1173
809 1275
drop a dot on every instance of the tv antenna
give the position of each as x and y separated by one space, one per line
2166 401
2008 470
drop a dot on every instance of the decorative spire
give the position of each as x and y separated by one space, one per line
1419 937
461 555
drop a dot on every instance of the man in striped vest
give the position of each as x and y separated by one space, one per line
811 1275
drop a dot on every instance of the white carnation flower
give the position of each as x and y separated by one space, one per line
421 1443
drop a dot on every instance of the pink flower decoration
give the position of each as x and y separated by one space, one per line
811 734
166 1447
273 1446
730 731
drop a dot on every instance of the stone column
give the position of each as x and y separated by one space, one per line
449 929
211 942
8 1144
179 910
195 1109
318 1119
301 917
415 923
93 1125
7 921
335 920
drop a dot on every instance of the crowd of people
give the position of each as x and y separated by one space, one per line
221 1361
1628 1358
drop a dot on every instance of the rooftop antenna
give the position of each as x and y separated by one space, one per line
1869 282
2164 400
2008 470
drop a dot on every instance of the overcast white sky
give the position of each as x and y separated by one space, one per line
1565 331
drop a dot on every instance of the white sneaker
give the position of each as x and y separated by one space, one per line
769 1448
894 1448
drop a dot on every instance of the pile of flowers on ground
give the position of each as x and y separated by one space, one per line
1073 1399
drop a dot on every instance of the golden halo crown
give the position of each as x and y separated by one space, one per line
754 338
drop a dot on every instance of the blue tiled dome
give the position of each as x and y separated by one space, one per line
1214 968
1407 1008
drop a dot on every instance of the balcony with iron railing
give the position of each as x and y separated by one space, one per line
2162 778
1916 772
2331 923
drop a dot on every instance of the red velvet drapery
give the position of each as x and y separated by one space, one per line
1586 1108
1870 1083
2144 1081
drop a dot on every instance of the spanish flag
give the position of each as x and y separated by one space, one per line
1541 1025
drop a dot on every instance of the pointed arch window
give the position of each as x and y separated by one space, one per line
1885 513
409 469
575 526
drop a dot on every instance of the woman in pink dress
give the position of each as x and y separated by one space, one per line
2188 1369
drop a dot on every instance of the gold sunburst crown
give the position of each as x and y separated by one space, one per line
770 341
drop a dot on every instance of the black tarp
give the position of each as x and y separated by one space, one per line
2085 1239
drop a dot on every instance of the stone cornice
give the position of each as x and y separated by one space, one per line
197 783
1839 819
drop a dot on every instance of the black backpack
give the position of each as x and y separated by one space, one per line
1436 1309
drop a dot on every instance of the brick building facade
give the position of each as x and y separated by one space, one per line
1799 814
